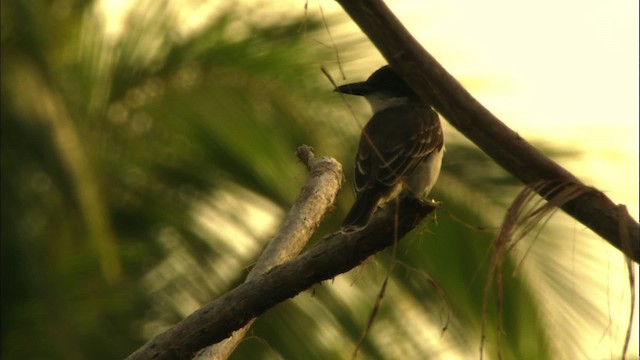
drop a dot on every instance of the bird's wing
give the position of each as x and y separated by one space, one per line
393 143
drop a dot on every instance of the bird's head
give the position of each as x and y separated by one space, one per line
383 89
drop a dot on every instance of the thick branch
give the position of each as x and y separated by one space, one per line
434 84
332 256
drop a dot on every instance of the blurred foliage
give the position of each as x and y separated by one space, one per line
144 170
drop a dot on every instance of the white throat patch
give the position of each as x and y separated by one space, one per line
380 102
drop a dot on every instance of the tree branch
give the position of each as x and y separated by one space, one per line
332 256
314 201
435 85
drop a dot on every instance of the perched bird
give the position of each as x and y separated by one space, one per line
401 147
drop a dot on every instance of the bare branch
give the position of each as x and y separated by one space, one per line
435 85
332 256
314 201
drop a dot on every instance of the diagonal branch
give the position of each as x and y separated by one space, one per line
434 84
332 256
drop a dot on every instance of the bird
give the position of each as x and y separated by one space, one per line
401 147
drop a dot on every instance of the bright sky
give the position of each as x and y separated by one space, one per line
567 74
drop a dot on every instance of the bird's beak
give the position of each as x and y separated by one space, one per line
359 88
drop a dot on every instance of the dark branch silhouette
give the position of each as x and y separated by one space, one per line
432 82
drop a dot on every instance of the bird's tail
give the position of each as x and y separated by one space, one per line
360 213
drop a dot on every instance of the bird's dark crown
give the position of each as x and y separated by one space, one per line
386 79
